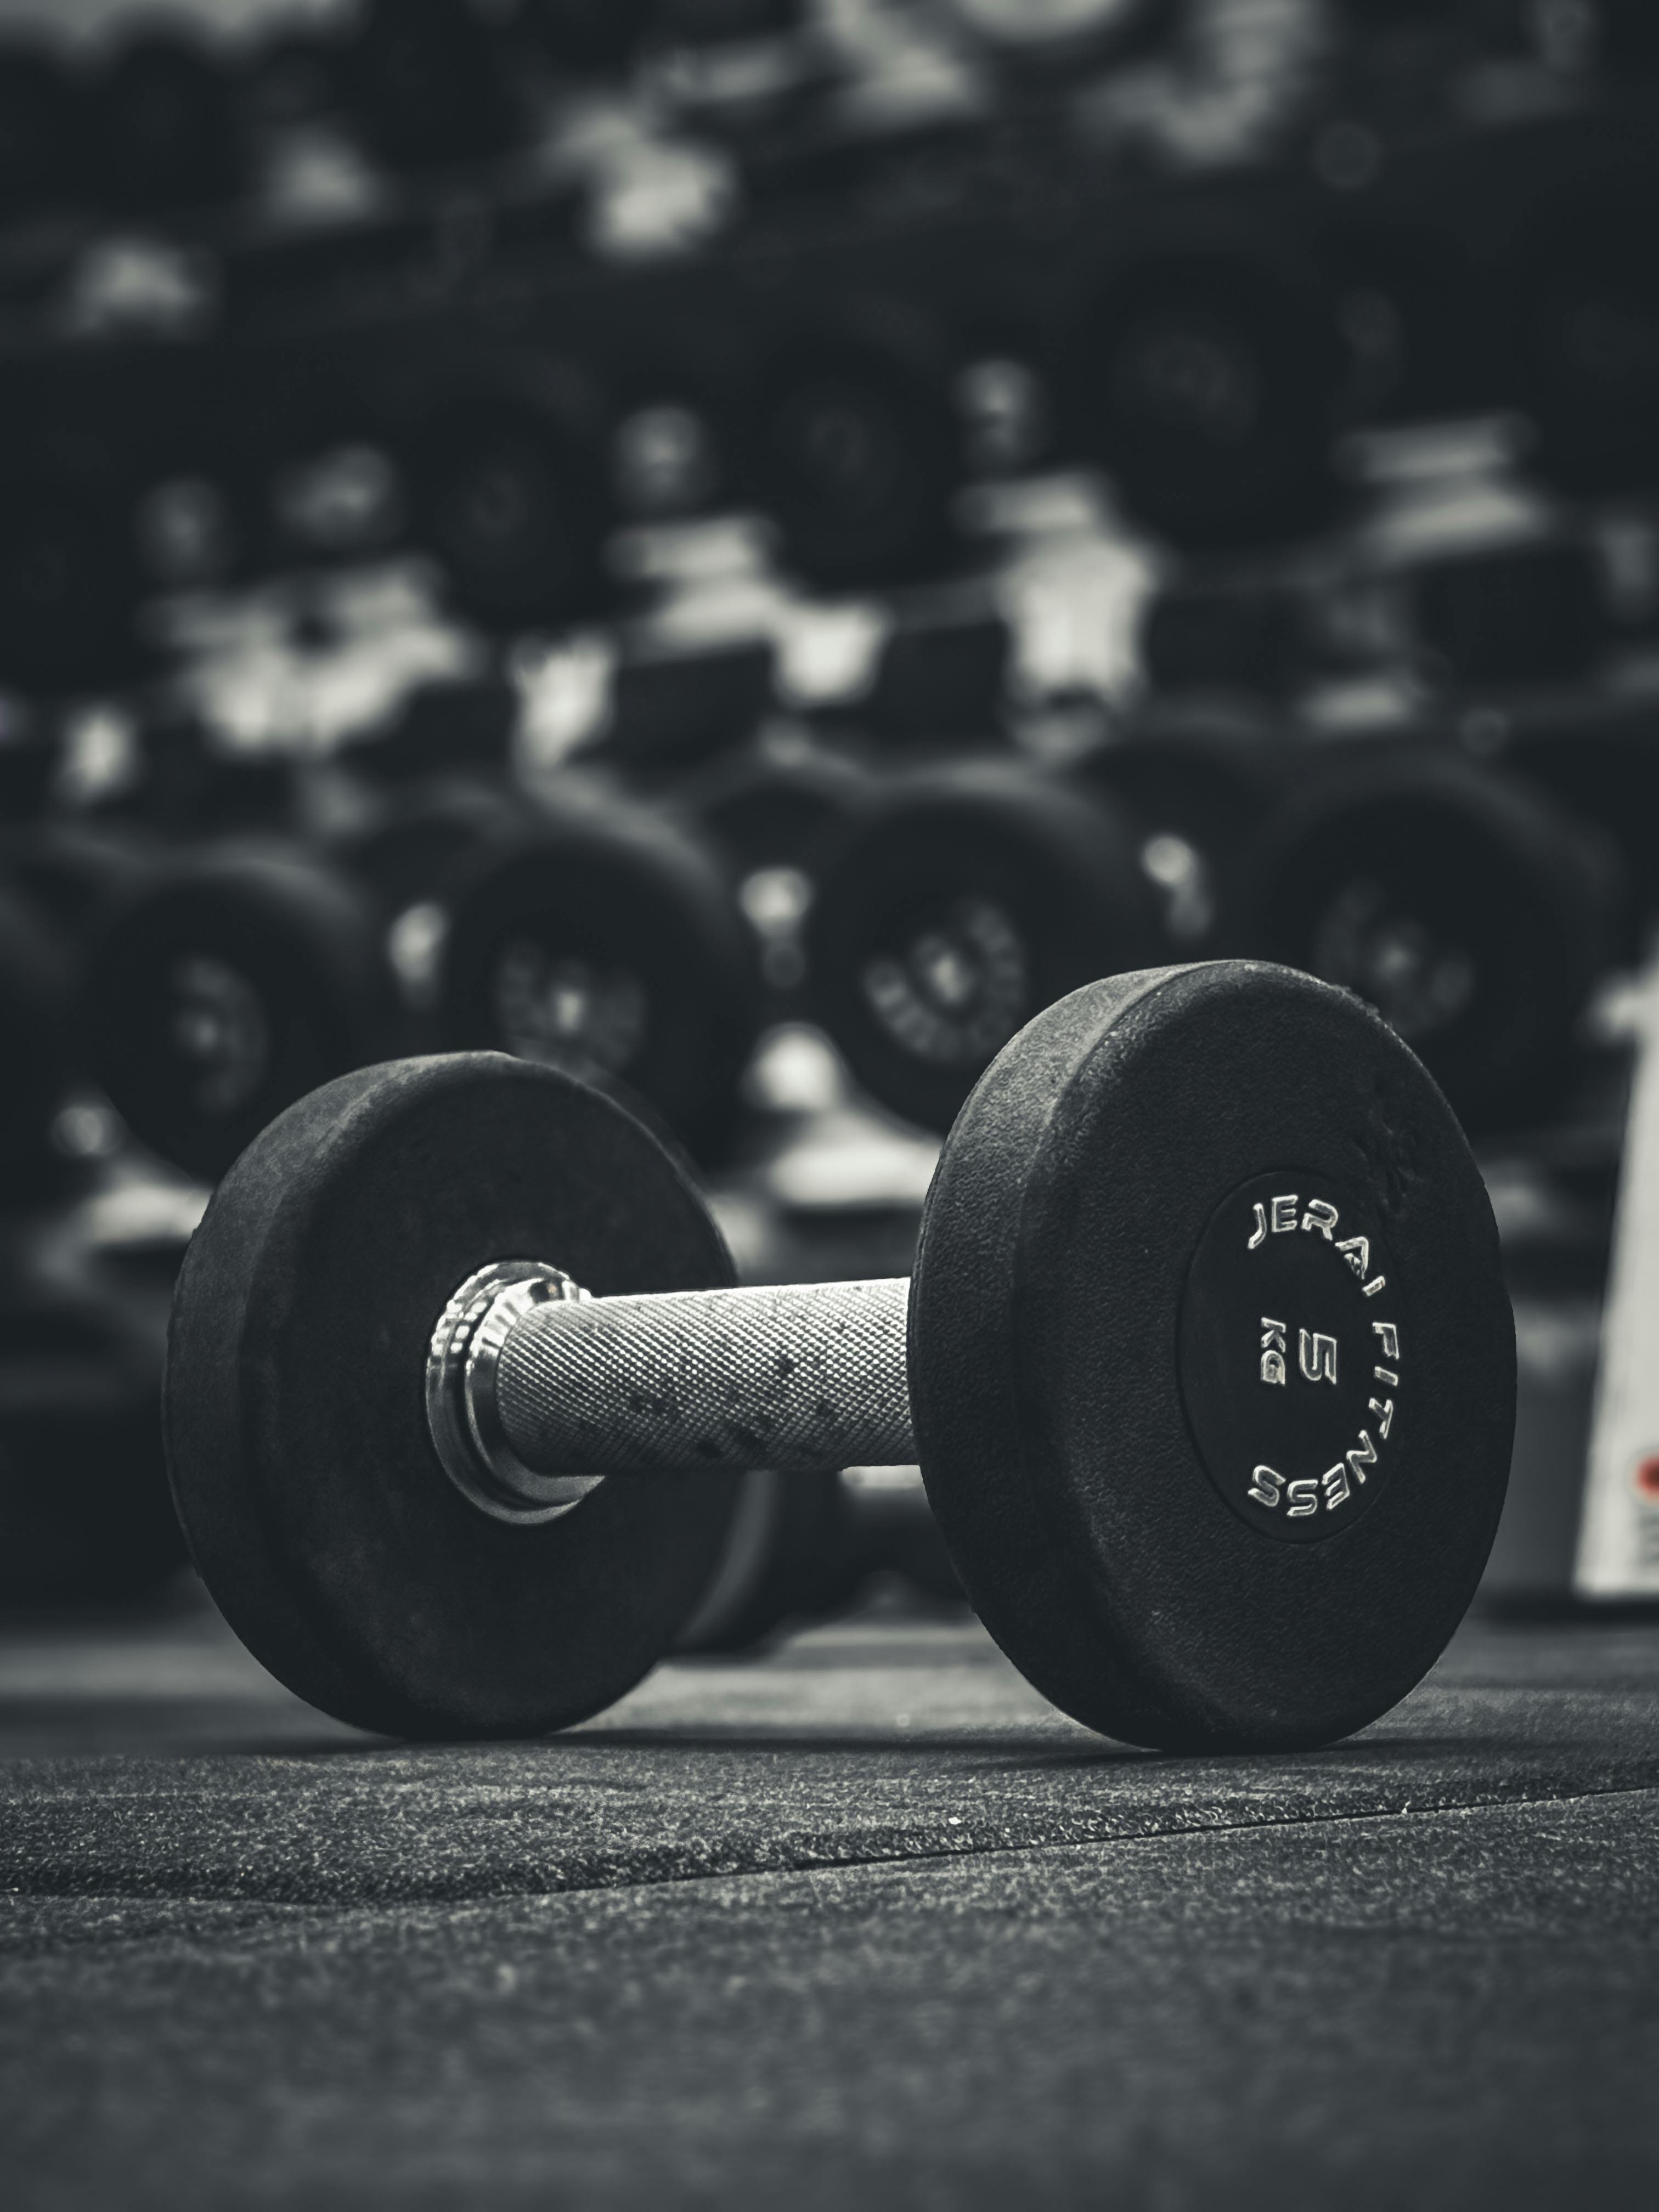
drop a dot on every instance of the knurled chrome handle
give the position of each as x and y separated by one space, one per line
535 1391
794 1377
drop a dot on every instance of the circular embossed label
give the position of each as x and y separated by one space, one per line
1294 1373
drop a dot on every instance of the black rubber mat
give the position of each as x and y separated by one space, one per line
864 1921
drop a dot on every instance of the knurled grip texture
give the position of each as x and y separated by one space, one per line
804 1376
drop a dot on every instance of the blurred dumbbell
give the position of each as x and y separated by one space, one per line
1198 780
508 490
778 802
582 930
218 990
960 902
853 447
1461 905
578 924
592 933
444 1483
1206 380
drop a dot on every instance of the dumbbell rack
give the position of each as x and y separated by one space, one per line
435 270
404 330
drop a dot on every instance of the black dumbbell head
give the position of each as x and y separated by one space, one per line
229 986
301 1465
1171 1187
595 937
854 449
963 901
1457 903
1205 382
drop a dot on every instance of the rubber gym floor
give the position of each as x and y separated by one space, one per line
861 1922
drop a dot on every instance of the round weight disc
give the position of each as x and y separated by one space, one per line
1206 383
600 939
1454 901
964 900
1159 1442
235 984
304 1474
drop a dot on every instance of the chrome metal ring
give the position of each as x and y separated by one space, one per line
462 1415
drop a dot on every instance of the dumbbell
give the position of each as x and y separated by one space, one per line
580 926
852 445
959 901
1198 779
1206 1362
1476 916
1207 378
237 976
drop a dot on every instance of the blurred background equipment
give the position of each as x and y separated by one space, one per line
743 546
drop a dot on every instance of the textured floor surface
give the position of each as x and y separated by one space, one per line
864 1923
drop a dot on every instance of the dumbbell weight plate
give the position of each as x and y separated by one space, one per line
1090 1315
855 452
315 1505
596 938
966 899
1457 903
1198 783
1207 385
238 981
510 498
